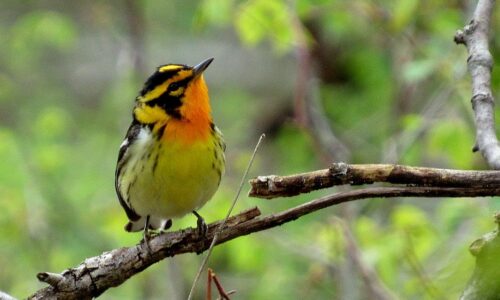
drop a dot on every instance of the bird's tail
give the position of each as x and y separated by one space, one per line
155 223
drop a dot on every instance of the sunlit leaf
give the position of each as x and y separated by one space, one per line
259 19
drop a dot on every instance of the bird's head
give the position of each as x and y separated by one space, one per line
174 91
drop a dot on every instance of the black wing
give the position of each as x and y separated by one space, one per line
131 136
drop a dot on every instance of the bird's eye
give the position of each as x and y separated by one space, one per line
173 86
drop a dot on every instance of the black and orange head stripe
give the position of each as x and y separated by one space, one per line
162 74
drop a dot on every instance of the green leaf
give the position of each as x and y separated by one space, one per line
260 19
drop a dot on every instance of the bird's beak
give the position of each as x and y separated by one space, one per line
199 68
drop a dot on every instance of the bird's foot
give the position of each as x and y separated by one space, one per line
201 227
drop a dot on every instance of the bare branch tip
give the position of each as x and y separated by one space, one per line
244 216
51 278
459 37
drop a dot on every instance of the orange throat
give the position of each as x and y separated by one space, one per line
195 124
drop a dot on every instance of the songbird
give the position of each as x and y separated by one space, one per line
172 158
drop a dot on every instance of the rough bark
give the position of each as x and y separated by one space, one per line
341 174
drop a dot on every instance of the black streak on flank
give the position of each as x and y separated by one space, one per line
159 134
216 156
219 176
156 162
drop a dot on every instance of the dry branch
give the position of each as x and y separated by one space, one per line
480 62
273 186
97 274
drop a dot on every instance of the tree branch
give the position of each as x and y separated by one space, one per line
97 274
273 186
480 62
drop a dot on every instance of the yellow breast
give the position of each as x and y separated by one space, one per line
178 177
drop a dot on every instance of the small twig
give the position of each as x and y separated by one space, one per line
374 284
303 72
340 174
222 293
480 63
412 259
219 230
209 284
51 278
309 112
136 32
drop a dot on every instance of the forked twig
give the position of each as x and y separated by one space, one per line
222 293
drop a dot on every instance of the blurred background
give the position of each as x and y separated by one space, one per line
363 81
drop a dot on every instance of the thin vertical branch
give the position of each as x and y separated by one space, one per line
309 112
412 259
136 28
370 278
480 63
303 73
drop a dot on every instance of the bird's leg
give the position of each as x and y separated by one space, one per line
201 225
145 235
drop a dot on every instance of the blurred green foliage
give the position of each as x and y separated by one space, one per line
393 85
